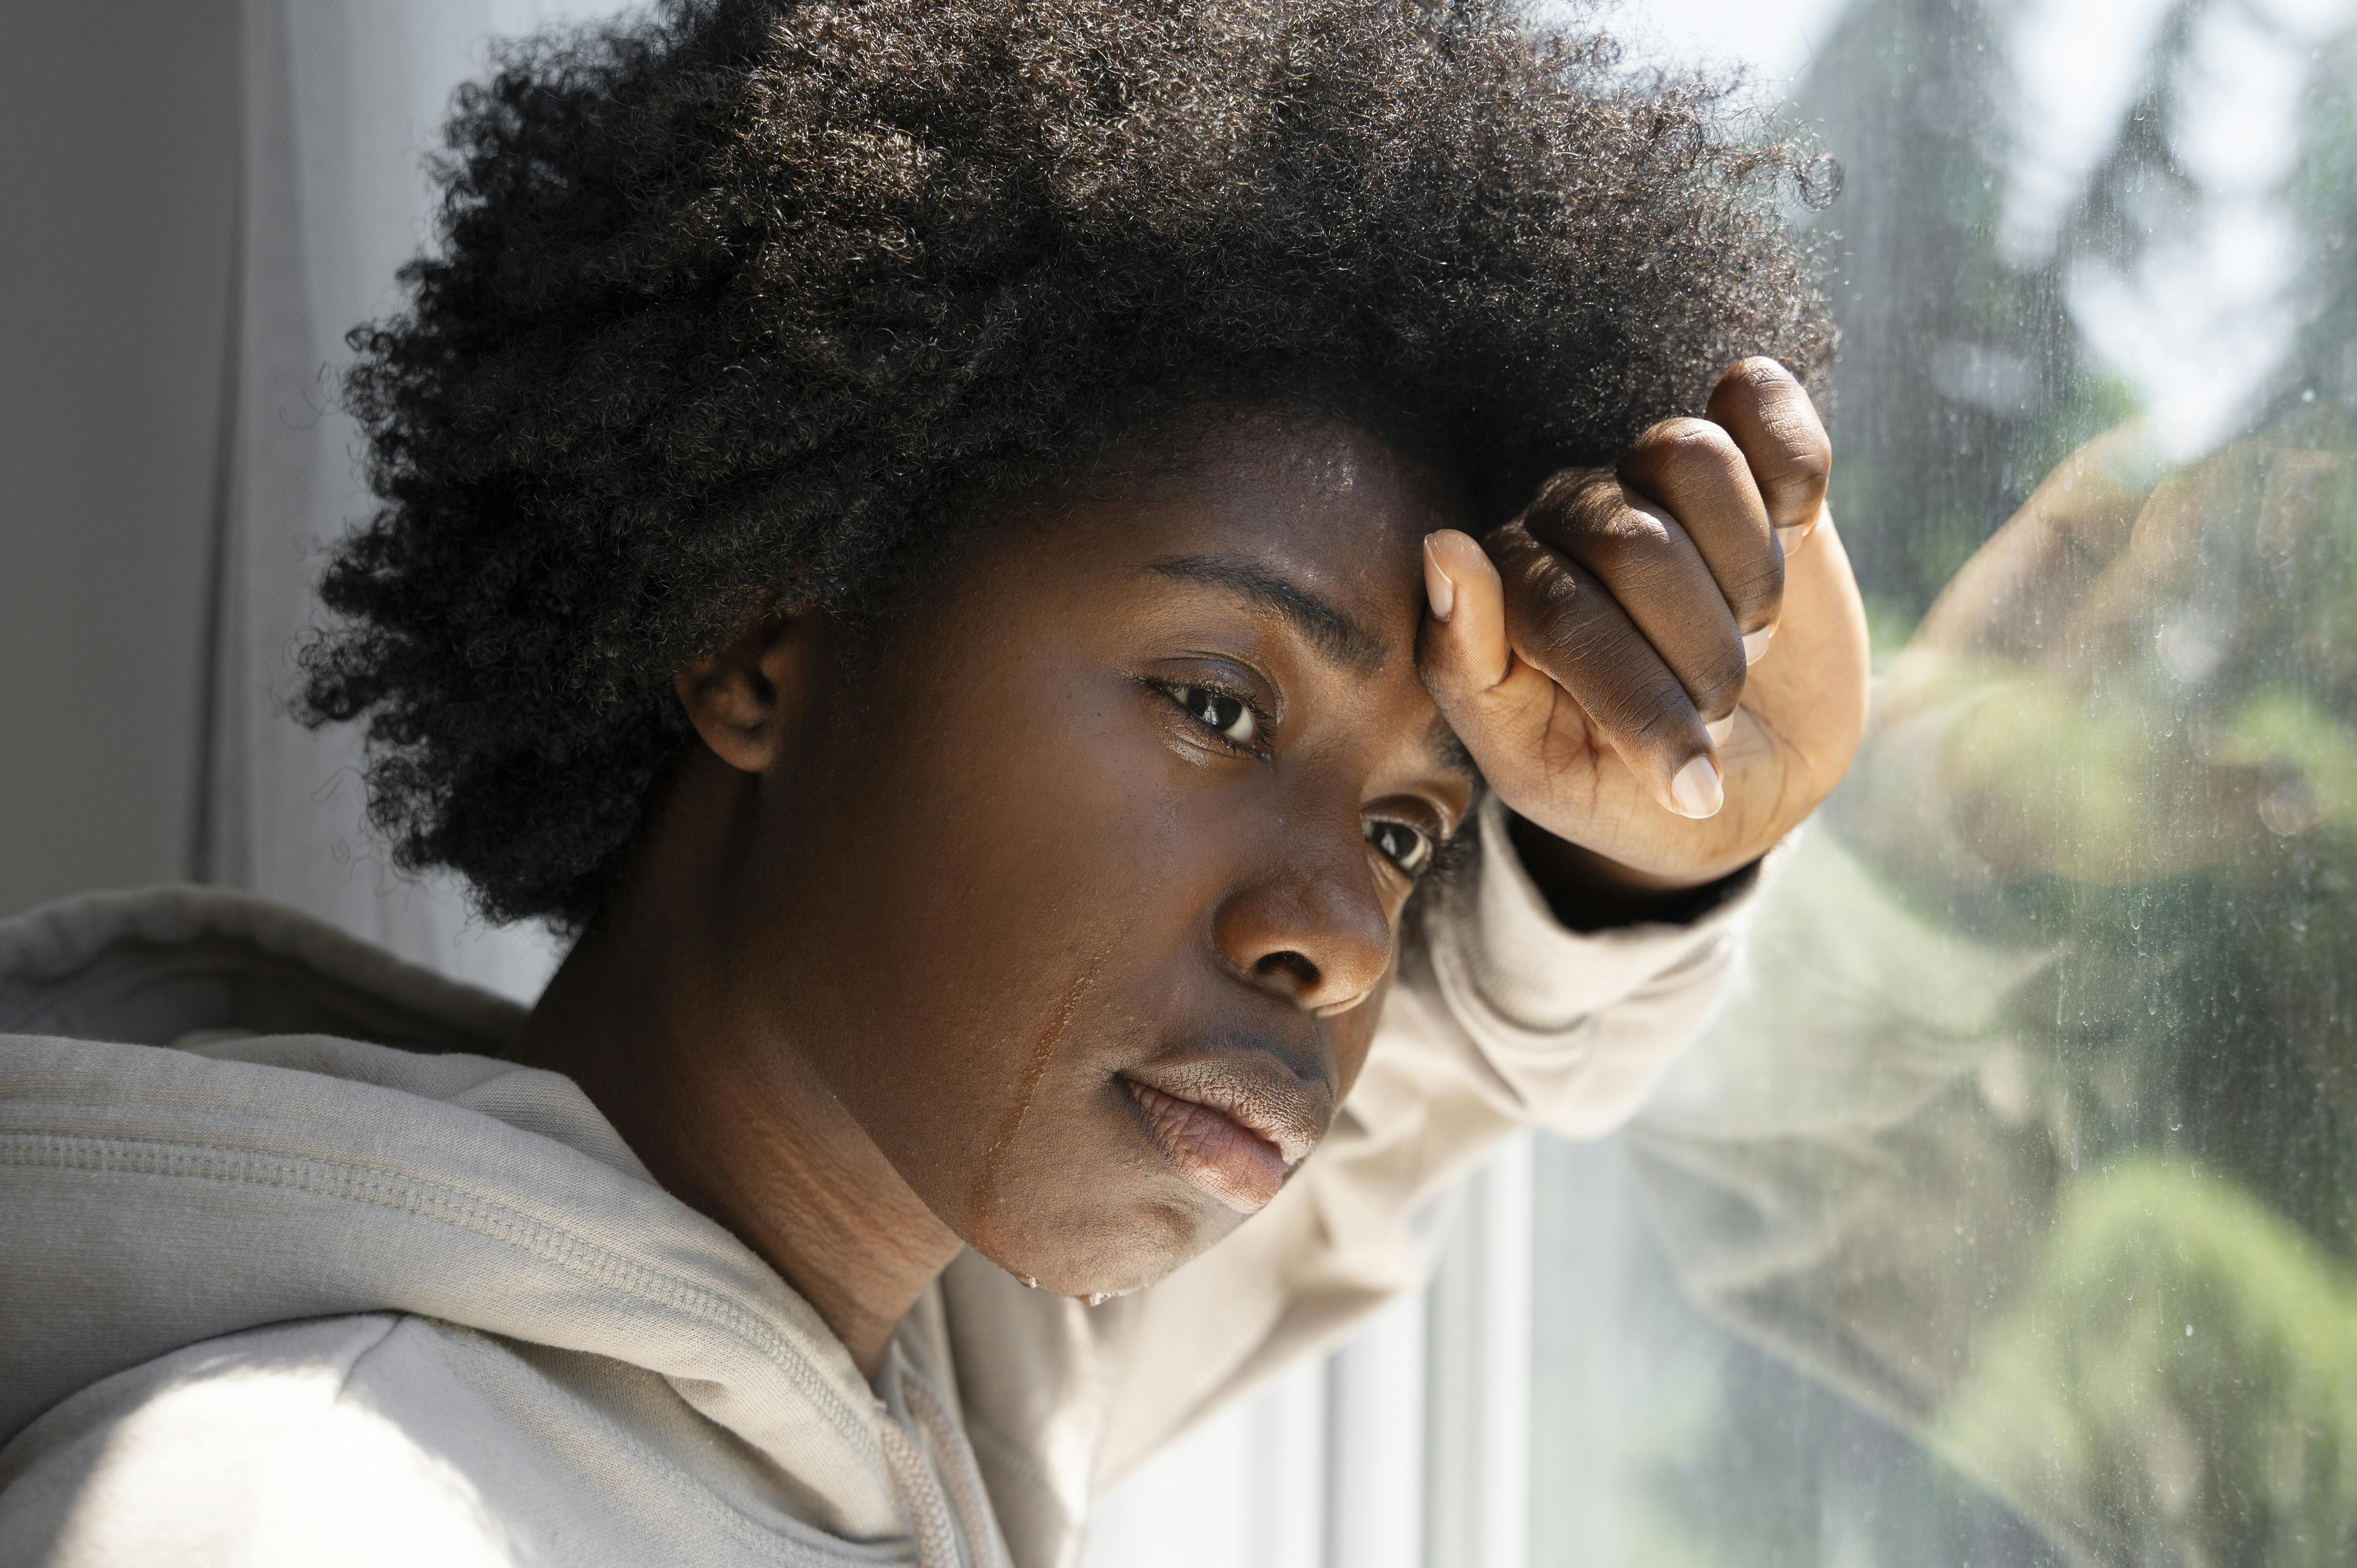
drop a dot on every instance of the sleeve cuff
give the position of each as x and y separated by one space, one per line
1504 958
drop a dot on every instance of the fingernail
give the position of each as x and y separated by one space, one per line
1696 791
1755 644
1789 538
1437 586
1720 730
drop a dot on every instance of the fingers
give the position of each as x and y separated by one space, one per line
1651 566
1768 414
1695 470
1617 617
1527 628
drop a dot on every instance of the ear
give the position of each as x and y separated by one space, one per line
748 700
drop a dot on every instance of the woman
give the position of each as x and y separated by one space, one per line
984 559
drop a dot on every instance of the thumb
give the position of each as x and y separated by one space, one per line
1498 706
1464 652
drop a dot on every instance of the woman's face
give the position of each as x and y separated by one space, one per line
1083 900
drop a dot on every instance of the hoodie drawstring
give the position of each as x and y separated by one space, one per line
921 1494
967 1495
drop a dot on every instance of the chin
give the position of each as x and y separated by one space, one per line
1113 1204
1101 1255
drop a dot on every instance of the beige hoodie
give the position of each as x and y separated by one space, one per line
293 1269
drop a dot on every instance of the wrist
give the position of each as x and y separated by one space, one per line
1591 892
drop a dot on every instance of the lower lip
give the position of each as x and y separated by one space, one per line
1238 1167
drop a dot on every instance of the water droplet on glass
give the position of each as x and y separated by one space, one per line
2191 646
2289 807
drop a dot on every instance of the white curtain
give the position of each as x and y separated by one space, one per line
343 102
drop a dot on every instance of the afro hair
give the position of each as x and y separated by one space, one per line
750 302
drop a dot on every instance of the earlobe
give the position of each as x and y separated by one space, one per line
745 699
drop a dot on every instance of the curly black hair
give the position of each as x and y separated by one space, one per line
752 302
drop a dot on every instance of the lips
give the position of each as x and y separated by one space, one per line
1231 1125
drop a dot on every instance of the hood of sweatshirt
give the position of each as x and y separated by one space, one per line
216 1113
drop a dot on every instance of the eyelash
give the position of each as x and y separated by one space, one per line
1424 851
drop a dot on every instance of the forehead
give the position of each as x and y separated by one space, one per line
1319 505
1312 532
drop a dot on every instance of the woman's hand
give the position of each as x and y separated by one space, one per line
1663 665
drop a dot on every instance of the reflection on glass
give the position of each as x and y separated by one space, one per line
2028 1152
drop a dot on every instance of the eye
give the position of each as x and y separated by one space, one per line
1408 848
1228 716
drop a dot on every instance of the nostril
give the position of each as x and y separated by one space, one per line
1292 965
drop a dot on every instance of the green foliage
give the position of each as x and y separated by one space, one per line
1960 381
2180 1381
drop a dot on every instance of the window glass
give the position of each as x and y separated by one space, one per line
2008 1213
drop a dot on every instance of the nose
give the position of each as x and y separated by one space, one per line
1311 928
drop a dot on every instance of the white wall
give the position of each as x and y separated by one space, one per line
118 158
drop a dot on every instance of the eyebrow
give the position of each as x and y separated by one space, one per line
1332 631
1342 640
1451 753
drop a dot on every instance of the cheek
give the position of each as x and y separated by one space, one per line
1353 1032
1074 1193
986 874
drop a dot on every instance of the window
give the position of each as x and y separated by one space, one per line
2008 1214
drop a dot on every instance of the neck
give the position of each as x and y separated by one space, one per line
728 1115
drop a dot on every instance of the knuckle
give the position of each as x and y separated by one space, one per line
1532 573
1763 394
1761 371
1682 435
1671 726
1563 494
1792 476
1508 542
1568 531
1555 593
1808 453
1657 718
1676 448
1631 548
1598 513
1588 506
1719 686
1563 633
1754 596
1523 562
